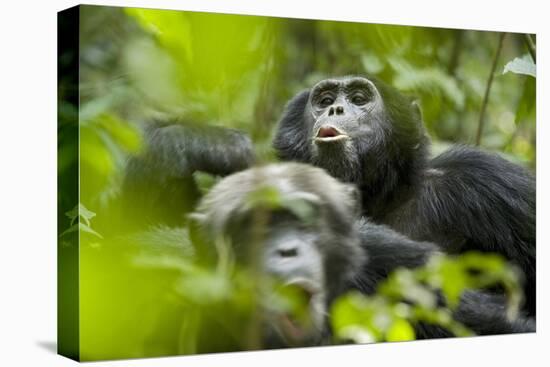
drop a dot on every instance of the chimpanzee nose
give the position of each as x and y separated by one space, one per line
287 252
339 110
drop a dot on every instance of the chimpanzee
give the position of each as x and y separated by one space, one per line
312 237
365 132
159 186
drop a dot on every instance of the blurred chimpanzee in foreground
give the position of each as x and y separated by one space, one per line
307 234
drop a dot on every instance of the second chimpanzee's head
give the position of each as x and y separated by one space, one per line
360 130
295 225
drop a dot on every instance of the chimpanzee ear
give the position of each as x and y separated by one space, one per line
417 111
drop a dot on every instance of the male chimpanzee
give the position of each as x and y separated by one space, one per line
322 248
367 133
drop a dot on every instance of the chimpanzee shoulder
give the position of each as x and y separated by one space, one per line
469 191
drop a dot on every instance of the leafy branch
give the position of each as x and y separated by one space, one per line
410 296
80 218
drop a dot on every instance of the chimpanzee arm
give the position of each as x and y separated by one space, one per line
485 314
387 250
181 149
159 187
484 199
479 201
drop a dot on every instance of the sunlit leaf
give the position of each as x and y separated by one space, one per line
81 227
523 65
204 181
80 211
401 330
402 284
356 334
125 135
442 317
205 288
301 207
99 161
171 28
267 197
353 318
450 277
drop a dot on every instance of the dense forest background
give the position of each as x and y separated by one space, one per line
136 65
239 71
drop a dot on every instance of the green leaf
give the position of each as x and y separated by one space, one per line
409 296
442 317
301 206
357 334
265 196
352 319
402 284
523 65
124 134
204 181
82 227
205 288
449 275
80 211
171 28
401 330
96 160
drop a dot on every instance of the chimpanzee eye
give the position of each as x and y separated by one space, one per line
358 99
327 101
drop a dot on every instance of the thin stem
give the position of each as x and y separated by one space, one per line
488 90
531 47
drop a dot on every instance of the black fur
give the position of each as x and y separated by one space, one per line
463 199
159 186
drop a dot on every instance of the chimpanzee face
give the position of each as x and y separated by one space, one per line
288 250
345 118
359 130
342 109
292 229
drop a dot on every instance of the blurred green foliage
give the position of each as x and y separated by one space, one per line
143 295
409 297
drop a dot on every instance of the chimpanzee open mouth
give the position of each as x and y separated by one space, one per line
300 319
329 133
303 322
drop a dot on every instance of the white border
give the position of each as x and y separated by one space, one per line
28 181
